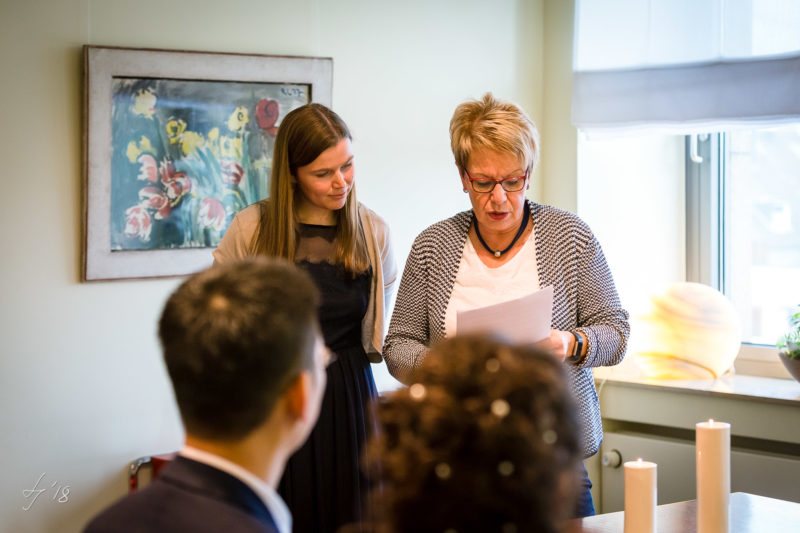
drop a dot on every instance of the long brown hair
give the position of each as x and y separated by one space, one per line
302 136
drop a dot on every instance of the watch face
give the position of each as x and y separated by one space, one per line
577 348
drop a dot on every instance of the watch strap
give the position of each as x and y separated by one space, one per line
577 348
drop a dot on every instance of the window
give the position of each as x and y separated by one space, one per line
721 209
743 223
725 212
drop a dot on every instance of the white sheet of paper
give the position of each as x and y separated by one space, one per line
524 320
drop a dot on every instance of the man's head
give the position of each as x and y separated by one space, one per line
235 338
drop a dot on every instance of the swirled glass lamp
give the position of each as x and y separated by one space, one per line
691 332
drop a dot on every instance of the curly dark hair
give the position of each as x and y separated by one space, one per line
486 439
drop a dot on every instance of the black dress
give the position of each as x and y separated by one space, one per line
323 485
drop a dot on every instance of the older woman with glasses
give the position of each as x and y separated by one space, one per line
503 248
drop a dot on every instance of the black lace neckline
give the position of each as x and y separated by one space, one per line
307 225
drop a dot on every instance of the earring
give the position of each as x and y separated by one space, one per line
465 189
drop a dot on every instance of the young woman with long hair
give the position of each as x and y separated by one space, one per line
312 218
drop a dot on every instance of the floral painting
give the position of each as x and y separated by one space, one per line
187 155
176 142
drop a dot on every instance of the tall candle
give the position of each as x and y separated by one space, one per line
640 497
713 453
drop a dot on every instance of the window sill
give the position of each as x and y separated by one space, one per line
758 408
760 360
736 386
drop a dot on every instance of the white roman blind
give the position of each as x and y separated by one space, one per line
688 65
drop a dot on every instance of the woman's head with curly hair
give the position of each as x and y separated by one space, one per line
486 439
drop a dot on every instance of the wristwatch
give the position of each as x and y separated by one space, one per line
575 358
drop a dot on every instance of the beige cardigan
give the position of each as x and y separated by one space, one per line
236 245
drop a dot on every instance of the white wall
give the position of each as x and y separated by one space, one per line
559 138
82 386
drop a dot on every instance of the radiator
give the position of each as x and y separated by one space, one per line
766 474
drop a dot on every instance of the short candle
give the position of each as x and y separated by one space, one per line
640 496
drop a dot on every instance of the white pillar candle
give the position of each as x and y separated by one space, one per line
713 453
640 497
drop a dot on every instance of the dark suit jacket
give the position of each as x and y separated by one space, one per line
188 496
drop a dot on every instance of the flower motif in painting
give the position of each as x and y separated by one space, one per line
188 140
266 115
230 147
175 183
211 214
238 119
153 198
232 172
148 169
138 223
191 141
135 149
144 103
174 128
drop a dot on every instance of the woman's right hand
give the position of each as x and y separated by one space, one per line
560 343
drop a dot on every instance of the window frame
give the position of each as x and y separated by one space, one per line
707 230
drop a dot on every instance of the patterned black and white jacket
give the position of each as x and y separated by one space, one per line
568 257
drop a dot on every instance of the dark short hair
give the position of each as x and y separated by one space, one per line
486 439
233 338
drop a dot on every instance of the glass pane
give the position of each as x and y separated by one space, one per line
762 219
636 215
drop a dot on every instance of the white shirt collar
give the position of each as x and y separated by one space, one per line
277 507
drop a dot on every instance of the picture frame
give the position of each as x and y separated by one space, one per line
175 143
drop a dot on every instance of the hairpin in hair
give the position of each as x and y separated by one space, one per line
505 468
500 408
417 391
443 471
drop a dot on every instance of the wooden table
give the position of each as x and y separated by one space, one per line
749 514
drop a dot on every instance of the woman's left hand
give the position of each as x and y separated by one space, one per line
559 343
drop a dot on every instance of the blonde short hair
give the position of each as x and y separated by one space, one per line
495 125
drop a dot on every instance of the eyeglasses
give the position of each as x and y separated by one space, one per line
513 184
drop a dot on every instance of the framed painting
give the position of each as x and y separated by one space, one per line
175 144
